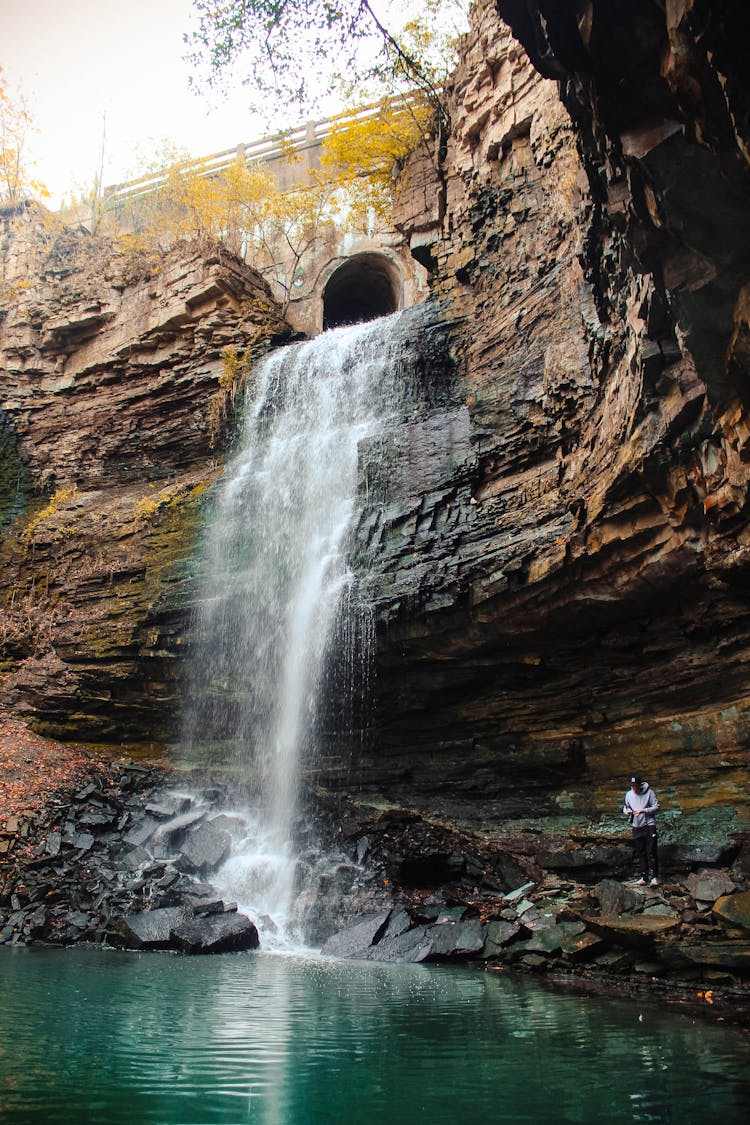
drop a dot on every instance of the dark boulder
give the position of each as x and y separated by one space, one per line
633 931
356 939
174 830
398 923
615 898
550 936
734 910
204 848
450 940
141 832
168 805
707 886
583 946
152 929
509 871
498 934
215 933
411 947
180 929
384 937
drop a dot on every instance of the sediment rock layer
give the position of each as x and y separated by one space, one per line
561 565
571 600
117 385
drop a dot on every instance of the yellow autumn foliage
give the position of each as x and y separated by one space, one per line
362 154
246 210
16 125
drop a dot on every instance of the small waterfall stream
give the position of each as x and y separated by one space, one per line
279 581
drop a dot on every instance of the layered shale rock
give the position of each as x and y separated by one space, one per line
567 598
558 534
121 861
117 385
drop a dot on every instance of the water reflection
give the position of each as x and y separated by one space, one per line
89 1036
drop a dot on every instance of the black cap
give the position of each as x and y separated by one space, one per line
635 780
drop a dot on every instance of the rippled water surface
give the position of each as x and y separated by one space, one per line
94 1036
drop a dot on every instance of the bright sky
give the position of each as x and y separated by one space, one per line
76 60
79 61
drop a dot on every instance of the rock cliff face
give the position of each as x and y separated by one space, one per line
571 601
115 386
562 566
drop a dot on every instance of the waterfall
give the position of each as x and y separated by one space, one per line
279 580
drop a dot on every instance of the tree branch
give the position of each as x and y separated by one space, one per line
410 64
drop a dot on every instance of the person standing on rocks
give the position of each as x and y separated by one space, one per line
641 804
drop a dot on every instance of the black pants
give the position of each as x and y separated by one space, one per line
645 848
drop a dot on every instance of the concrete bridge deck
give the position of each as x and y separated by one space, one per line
291 153
346 274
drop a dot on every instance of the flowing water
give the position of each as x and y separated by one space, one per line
279 585
97 1036
109 1038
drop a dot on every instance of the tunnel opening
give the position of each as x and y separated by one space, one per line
363 288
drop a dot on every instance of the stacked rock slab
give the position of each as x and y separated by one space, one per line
118 379
123 861
570 602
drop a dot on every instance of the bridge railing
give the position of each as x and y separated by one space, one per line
275 147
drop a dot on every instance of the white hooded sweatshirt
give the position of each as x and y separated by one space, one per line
643 805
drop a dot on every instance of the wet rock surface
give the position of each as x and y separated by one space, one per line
121 861
681 938
560 535
114 862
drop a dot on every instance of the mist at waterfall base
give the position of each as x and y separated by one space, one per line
283 614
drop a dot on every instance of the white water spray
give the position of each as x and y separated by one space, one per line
278 576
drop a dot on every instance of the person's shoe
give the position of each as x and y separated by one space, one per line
639 882
654 882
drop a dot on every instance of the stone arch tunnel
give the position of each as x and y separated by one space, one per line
365 286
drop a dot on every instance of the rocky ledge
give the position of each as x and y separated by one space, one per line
677 935
560 906
125 859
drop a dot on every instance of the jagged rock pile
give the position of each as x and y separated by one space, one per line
548 904
126 860
122 861
699 929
